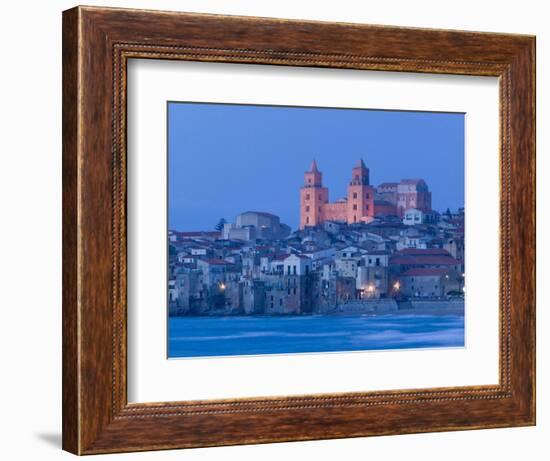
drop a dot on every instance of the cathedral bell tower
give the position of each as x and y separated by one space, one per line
360 204
313 196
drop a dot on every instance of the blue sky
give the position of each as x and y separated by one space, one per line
225 159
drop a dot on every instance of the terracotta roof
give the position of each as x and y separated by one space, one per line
421 251
424 260
217 262
420 271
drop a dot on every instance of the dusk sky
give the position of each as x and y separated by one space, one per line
226 159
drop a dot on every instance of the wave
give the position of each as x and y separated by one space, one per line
260 334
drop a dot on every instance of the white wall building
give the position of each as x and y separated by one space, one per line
297 265
413 216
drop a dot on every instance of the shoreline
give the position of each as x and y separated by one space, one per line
433 311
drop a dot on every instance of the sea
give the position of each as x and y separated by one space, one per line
217 336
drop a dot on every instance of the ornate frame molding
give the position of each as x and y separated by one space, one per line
97 45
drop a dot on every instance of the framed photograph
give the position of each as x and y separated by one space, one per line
281 230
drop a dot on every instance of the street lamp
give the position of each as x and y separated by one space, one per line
370 290
395 288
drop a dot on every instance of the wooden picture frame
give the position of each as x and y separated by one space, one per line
97 43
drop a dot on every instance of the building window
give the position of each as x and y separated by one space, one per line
307 220
307 208
307 196
294 270
367 207
367 195
355 207
280 301
355 195
288 270
319 209
294 290
377 261
309 180
354 218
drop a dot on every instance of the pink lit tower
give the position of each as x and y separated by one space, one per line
357 207
313 196
360 195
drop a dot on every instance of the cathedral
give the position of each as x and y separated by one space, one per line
363 201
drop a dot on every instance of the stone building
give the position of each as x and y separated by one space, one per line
403 195
424 282
413 193
363 202
315 207
372 275
252 225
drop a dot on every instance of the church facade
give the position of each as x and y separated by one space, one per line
315 207
363 201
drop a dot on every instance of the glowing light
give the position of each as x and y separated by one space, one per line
396 285
222 286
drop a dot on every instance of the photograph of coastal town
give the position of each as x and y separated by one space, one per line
313 230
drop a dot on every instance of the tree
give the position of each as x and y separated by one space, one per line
220 224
